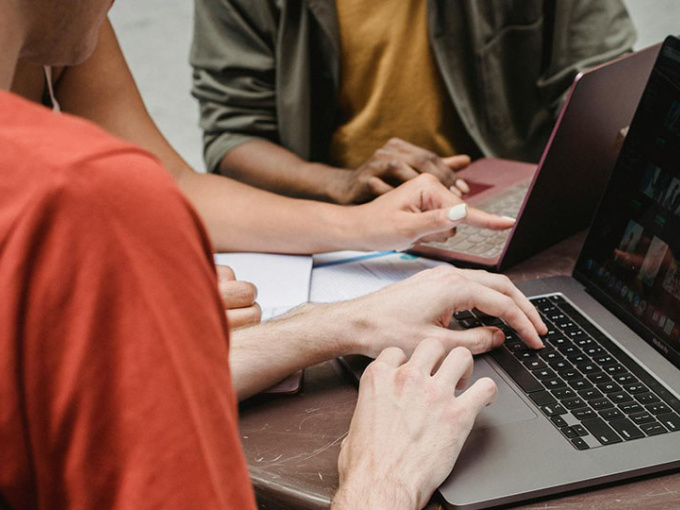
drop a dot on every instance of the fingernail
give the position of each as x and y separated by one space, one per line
462 185
498 337
458 212
509 218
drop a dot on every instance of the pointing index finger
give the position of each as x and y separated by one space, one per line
483 219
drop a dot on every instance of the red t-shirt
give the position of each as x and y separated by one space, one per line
115 389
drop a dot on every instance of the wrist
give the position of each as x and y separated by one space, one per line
323 331
334 185
362 493
353 228
344 327
341 227
358 332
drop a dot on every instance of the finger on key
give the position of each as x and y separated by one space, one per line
502 284
495 303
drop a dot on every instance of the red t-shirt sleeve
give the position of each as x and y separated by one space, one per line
114 380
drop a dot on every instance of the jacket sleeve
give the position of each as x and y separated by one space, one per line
585 34
233 57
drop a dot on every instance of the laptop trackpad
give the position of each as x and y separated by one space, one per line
508 406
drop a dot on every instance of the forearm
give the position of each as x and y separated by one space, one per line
269 166
262 355
242 218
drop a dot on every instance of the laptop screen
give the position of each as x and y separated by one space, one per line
631 257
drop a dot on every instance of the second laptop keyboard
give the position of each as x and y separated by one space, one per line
488 243
590 390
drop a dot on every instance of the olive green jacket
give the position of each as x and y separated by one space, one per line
270 68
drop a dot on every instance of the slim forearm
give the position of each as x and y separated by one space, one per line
262 355
243 218
269 166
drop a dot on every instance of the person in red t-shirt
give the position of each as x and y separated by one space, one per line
117 382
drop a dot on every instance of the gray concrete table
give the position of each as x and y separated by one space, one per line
291 443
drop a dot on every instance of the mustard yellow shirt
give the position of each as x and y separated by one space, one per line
390 85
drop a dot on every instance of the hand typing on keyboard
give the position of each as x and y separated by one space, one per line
409 427
422 307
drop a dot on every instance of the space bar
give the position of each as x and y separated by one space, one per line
516 370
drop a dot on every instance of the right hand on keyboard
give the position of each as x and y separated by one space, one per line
419 307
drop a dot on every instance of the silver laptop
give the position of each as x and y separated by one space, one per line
575 167
601 402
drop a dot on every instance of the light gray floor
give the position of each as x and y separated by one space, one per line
156 35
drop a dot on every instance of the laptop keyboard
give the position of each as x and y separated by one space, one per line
590 390
487 243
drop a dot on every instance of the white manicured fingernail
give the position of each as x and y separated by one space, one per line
509 218
458 212
462 185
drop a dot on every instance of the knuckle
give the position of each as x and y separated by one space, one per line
480 271
454 277
431 157
507 303
445 275
422 158
428 180
468 294
250 291
225 273
463 355
487 389
375 165
386 165
504 281
488 386
483 340
380 362
443 270
371 182
395 351
408 374
374 370
432 343
394 141
434 394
